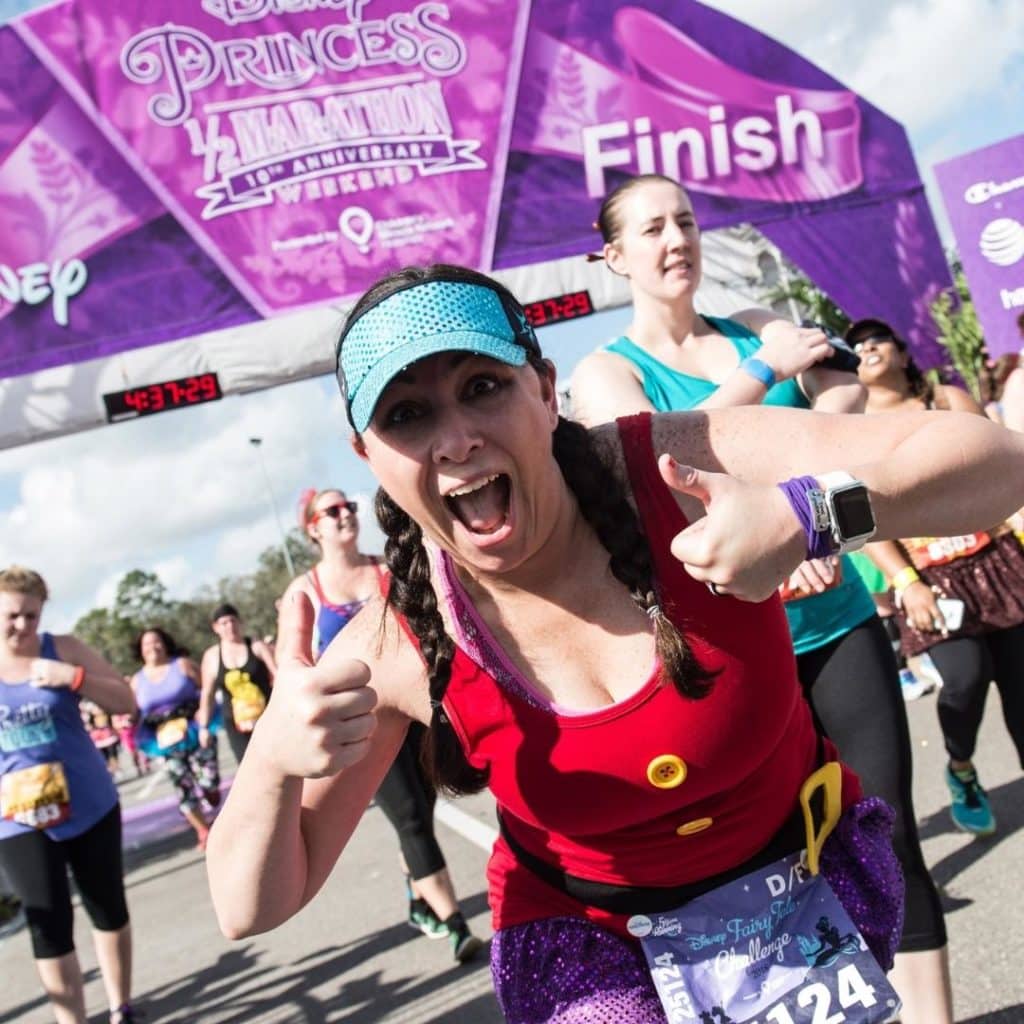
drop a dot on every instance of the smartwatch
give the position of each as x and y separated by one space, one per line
850 517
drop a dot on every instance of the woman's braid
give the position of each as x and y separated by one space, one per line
602 501
410 593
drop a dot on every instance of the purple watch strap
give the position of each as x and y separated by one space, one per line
820 543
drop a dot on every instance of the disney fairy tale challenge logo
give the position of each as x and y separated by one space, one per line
289 128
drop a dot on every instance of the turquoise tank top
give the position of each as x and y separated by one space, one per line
813 621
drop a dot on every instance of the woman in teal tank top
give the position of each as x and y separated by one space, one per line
672 358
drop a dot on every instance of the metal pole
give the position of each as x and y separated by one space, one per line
256 442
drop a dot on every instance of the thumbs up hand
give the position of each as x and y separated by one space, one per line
749 540
320 716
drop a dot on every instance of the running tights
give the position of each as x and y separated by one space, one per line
407 799
37 870
967 666
852 684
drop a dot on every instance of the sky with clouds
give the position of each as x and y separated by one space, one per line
184 494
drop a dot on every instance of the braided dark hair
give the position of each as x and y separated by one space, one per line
603 503
410 593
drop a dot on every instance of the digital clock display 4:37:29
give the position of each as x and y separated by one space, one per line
558 308
167 394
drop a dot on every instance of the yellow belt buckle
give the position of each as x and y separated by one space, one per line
830 778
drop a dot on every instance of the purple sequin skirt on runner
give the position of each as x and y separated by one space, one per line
991 586
566 970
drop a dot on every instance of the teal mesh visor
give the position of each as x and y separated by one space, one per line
419 321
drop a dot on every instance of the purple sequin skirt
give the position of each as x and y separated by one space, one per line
567 970
991 586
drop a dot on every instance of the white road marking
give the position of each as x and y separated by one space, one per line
156 776
466 825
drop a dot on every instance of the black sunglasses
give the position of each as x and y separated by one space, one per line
334 511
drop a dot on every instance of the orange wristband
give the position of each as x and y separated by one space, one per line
79 678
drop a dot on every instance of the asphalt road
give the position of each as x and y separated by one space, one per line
349 957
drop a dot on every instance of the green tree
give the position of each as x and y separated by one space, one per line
812 302
141 596
959 331
141 600
109 634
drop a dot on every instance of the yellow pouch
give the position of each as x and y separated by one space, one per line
171 732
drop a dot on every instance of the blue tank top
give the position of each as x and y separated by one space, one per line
813 621
165 694
50 771
174 700
332 618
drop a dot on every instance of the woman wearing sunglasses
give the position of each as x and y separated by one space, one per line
340 583
338 586
960 599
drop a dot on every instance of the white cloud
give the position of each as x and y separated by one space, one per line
929 60
921 61
189 503
176 574
241 546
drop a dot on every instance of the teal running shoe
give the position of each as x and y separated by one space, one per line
424 920
465 945
970 810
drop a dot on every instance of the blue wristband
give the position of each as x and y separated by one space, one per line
759 370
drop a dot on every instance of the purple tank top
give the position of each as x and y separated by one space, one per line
50 770
175 688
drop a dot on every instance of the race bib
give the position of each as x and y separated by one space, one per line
927 551
37 796
170 733
772 947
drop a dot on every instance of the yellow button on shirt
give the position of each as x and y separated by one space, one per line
666 771
693 827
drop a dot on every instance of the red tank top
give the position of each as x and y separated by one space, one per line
658 789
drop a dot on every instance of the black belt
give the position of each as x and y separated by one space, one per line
629 899
184 710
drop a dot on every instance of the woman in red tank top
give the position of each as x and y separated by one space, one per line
622 680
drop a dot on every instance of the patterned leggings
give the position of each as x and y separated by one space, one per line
196 775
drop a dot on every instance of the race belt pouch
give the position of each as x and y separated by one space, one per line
772 947
36 796
247 699
171 733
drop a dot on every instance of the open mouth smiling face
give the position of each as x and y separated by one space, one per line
456 441
483 505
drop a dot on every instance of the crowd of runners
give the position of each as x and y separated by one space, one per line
644 637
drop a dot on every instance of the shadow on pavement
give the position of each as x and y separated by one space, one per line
157 849
1008 1015
236 988
1008 805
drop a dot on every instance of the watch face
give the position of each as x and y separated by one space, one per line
853 512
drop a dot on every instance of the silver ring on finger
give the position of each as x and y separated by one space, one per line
715 589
